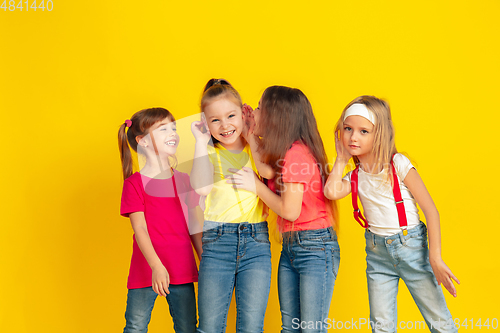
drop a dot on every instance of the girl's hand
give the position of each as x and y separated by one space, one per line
248 121
342 153
200 130
444 275
244 179
161 280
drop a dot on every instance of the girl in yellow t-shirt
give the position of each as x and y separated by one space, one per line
236 249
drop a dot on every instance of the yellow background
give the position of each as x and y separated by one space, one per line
70 77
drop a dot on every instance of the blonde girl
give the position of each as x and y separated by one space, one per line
236 249
161 206
396 239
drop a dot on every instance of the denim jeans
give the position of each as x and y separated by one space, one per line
235 256
390 258
306 276
181 303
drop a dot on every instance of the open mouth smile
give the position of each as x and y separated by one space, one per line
226 134
171 143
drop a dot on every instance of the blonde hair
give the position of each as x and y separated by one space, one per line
384 145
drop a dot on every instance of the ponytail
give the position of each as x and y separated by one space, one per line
125 153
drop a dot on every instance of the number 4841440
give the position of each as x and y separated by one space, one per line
24 5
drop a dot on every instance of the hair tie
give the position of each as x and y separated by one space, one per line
128 122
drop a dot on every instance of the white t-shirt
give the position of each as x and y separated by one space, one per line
377 198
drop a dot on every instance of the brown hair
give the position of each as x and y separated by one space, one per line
384 145
288 117
216 89
141 123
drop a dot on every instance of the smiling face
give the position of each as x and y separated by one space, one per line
165 137
225 122
357 136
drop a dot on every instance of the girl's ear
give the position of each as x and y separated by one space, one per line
141 141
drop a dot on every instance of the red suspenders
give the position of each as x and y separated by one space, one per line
397 198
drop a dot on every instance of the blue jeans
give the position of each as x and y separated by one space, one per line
390 258
306 276
235 256
181 303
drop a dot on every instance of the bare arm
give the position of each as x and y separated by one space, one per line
288 205
265 170
195 229
201 177
337 188
160 277
419 191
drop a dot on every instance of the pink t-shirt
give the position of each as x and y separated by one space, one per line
166 219
299 166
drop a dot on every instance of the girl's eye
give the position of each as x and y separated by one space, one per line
214 120
174 129
364 131
231 116
347 128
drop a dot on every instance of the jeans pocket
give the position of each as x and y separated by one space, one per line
316 244
417 242
210 236
261 237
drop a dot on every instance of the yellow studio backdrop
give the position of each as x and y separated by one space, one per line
71 75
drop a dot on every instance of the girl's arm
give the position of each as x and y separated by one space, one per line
265 170
202 173
161 279
288 205
335 187
195 229
419 191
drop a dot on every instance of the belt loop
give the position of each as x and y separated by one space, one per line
402 237
254 229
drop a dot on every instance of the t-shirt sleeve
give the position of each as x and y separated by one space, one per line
402 165
298 166
132 199
347 177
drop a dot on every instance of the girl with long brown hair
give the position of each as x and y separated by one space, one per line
290 143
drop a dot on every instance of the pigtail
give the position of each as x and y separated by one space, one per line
125 153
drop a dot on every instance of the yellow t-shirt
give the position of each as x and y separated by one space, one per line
224 203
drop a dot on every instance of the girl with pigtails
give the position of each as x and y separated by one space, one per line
161 206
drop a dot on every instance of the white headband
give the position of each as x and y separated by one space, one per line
359 109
